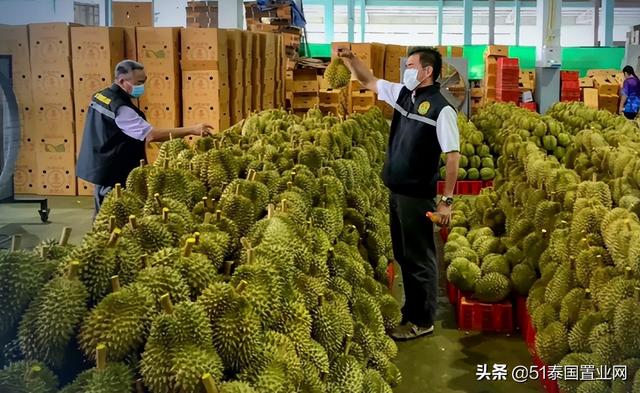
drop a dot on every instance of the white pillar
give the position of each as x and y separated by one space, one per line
492 21
230 14
548 21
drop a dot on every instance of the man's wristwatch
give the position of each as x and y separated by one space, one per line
447 200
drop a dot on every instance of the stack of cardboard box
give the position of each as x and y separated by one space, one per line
132 13
14 41
601 88
269 69
372 55
332 100
158 49
527 81
304 90
491 56
393 55
52 108
205 78
95 52
247 84
202 14
235 63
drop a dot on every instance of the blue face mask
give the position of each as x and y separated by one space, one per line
137 91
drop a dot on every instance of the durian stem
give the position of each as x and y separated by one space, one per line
241 286
251 258
64 238
188 247
227 268
156 197
118 190
15 242
218 215
209 384
270 210
139 386
115 283
44 251
133 221
165 301
283 204
594 177
196 236
142 163
165 164
207 218
627 272
245 243
113 239
112 223
165 215
636 293
146 261
587 293
347 346
101 357
237 191
249 173
293 176
289 186
74 266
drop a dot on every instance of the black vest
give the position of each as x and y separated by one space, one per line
413 155
107 154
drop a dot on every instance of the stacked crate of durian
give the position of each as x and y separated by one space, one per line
562 229
254 261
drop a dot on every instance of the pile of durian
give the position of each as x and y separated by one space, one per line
476 159
252 261
573 230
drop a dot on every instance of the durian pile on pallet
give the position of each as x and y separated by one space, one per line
253 261
476 160
572 224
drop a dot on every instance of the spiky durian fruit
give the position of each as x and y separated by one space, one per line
23 274
551 343
27 377
523 276
543 316
120 321
574 305
615 291
463 274
561 283
574 359
492 287
52 249
332 323
52 318
495 263
119 204
594 387
625 320
111 377
603 344
236 387
346 372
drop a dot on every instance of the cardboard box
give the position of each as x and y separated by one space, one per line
203 44
52 86
161 85
14 41
497 51
606 86
372 55
84 188
151 151
590 97
162 114
25 179
457 51
96 49
392 62
130 45
56 166
50 46
54 121
204 113
305 80
202 85
86 84
158 47
132 14
234 45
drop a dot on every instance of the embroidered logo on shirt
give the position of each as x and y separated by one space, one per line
424 107
103 99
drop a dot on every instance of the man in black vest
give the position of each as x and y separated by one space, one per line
115 132
424 125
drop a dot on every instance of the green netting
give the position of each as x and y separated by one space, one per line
580 59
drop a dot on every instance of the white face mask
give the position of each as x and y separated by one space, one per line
410 79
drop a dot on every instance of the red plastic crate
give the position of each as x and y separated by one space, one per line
486 317
391 275
468 187
532 106
569 75
521 314
508 95
452 293
444 234
570 85
440 187
529 332
508 62
487 183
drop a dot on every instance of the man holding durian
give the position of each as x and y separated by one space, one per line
424 125
116 131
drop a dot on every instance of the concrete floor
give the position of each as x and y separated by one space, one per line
444 362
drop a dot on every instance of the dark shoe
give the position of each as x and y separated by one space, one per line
409 331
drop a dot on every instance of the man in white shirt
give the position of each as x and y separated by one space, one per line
424 125
116 131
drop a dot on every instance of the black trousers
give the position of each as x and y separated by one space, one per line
98 194
415 250
630 115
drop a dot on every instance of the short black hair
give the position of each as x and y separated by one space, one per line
125 67
429 56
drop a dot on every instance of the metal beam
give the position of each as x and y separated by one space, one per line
107 12
492 21
363 18
440 21
607 14
468 21
596 22
516 11
328 20
351 10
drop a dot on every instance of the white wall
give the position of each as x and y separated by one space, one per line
168 13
